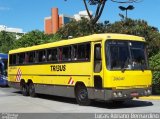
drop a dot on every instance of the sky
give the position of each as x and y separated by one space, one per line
29 14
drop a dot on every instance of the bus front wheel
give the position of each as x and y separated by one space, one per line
82 95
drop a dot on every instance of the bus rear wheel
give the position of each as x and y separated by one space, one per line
32 92
24 89
82 95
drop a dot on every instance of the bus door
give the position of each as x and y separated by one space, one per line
97 71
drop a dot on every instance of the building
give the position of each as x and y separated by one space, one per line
18 31
55 21
12 30
82 14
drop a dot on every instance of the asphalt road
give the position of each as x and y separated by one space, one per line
12 101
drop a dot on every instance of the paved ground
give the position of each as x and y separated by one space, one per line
11 100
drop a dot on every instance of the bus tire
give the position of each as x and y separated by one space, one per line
24 89
82 95
32 92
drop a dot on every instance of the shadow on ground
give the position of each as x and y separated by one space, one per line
99 104
126 104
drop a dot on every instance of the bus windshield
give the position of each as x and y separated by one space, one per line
126 55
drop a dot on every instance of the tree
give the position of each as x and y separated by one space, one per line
35 37
80 28
7 41
100 6
154 62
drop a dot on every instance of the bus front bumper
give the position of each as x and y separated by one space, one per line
119 94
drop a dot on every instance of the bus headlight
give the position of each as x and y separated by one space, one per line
120 94
115 94
145 92
149 92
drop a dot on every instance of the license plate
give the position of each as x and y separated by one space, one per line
134 94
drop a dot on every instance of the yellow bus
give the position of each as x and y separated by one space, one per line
107 67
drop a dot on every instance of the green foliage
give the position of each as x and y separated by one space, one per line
35 37
54 37
7 41
80 28
32 38
154 62
155 65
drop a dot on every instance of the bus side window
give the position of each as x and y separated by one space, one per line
49 55
84 52
81 52
32 57
54 55
21 58
66 53
12 59
26 58
41 56
59 54
74 52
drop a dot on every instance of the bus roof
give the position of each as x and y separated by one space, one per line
3 56
94 37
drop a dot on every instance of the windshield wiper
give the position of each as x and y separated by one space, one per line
126 66
142 68
123 70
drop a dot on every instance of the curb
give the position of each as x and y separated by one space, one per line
150 98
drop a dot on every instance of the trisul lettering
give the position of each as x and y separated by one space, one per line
58 67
